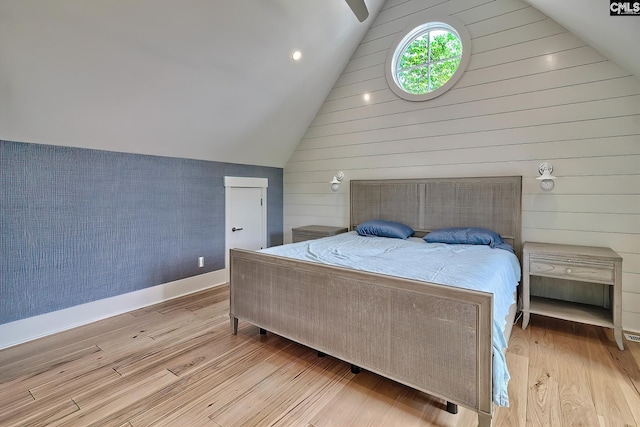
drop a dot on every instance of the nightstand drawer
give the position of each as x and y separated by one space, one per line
311 232
569 270
299 236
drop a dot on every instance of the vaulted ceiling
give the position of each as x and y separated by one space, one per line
615 37
202 79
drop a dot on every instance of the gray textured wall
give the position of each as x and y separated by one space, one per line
80 225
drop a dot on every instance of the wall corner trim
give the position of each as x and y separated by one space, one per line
243 181
20 331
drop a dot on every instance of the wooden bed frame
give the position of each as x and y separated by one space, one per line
434 338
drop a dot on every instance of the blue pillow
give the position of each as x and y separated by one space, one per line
468 236
382 228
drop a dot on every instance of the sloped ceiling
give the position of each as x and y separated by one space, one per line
198 79
202 79
615 37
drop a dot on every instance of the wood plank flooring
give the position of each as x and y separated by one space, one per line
177 364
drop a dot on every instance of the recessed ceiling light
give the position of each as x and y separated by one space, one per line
296 55
366 97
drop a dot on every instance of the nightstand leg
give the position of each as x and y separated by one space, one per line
526 293
525 319
617 304
617 333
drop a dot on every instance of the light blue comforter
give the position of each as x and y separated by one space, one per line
475 267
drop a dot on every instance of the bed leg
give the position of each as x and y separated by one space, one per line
263 331
452 408
484 420
234 324
355 369
321 354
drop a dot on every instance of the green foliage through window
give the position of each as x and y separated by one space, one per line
429 60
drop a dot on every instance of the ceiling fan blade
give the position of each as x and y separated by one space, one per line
359 9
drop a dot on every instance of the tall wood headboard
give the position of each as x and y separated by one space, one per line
427 204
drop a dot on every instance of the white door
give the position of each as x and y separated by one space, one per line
245 214
244 226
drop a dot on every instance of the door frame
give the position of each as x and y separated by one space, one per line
246 182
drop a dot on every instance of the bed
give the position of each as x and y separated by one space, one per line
433 337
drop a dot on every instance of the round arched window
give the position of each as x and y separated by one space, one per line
428 60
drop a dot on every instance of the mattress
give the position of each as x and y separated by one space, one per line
476 267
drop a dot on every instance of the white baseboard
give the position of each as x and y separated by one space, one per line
49 323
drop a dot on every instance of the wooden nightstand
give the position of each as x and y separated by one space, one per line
311 232
577 263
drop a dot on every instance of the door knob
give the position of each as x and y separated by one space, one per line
236 229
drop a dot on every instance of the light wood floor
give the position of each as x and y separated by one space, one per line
177 364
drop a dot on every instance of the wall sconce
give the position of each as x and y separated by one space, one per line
335 182
545 178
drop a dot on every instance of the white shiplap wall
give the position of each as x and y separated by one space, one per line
532 92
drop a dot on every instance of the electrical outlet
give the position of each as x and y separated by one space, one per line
201 262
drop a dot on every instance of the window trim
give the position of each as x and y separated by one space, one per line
419 25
